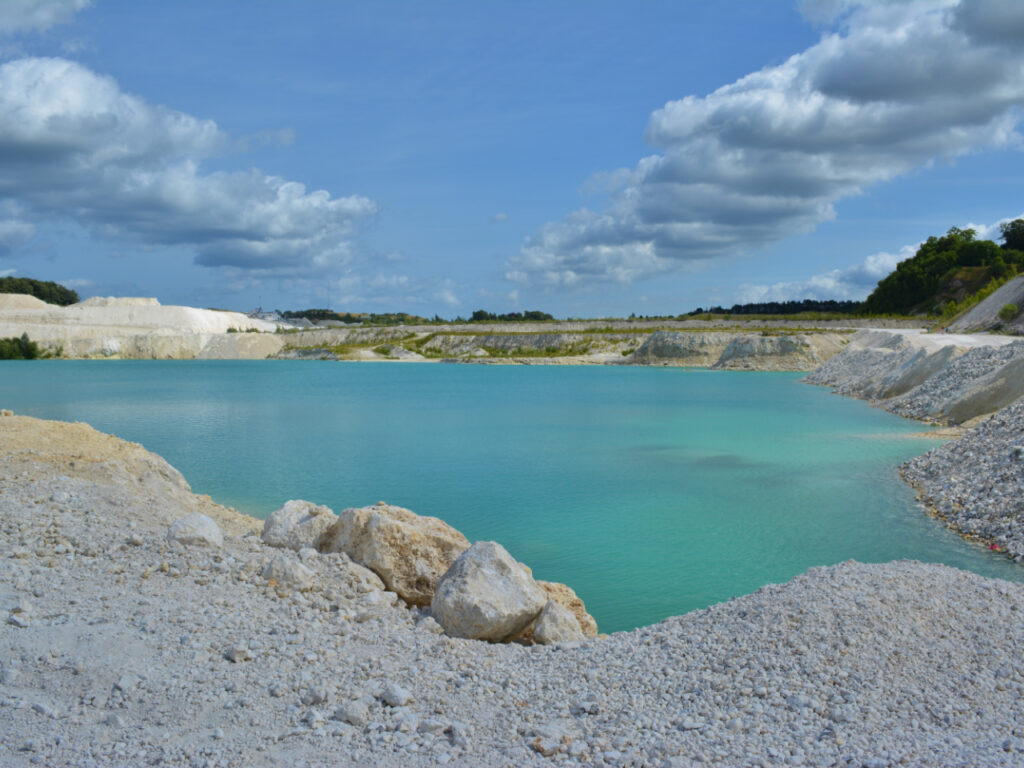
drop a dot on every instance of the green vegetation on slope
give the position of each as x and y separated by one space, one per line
948 274
51 293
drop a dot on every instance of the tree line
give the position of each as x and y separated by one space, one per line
44 290
915 285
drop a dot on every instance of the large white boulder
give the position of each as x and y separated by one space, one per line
297 525
196 529
409 552
487 595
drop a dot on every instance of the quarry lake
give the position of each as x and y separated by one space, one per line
650 491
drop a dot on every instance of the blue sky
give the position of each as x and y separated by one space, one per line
587 158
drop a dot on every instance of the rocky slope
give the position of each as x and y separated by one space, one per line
719 349
739 351
135 328
975 484
942 378
123 647
985 316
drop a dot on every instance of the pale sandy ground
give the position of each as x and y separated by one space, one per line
119 648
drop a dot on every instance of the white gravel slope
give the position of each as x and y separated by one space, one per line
976 483
120 649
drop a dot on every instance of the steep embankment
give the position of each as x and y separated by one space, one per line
985 316
739 351
121 647
134 328
974 484
942 378
762 350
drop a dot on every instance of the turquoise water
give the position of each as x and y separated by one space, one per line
651 491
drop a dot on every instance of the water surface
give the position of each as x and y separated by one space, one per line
651 491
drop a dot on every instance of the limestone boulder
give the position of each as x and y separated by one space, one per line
196 530
288 574
565 596
487 595
409 552
297 525
557 624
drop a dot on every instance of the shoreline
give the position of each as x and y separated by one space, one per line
964 389
122 647
209 662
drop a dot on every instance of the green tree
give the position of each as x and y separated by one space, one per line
1008 312
50 292
16 348
1013 234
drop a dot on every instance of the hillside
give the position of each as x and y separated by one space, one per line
946 272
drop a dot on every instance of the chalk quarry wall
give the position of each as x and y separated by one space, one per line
135 328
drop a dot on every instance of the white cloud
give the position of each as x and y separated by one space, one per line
856 282
379 292
499 217
899 85
38 15
78 283
853 283
74 145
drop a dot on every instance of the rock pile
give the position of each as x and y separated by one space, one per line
409 552
976 483
478 592
926 378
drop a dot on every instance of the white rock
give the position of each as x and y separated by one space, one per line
557 624
395 695
409 552
487 595
354 713
289 573
196 529
297 525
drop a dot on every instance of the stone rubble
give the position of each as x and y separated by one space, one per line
976 484
915 377
140 651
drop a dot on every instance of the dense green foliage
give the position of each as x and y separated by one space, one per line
784 308
483 316
51 293
16 348
1008 312
1013 234
946 269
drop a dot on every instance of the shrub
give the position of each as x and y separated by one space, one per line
16 348
1008 312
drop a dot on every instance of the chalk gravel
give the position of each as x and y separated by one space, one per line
976 483
118 648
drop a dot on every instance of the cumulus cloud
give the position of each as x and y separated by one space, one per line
72 144
853 283
896 86
38 15
856 282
